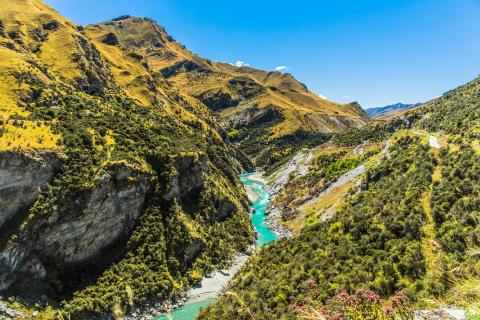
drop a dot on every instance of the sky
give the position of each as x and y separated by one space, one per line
376 52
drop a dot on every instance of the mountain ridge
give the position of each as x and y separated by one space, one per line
120 153
377 112
267 106
102 193
123 135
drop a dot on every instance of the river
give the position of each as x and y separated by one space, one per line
265 235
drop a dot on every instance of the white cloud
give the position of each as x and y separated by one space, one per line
240 64
346 97
322 96
281 68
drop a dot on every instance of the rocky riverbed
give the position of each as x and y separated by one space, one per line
273 214
272 221
212 284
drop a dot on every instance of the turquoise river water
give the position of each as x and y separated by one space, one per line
265 235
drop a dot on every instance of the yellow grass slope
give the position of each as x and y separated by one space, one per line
37 42
224 88
22 51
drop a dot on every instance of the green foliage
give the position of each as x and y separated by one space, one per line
472 316
373 133
362 305
236 134
337 168
373 241
101 131
455 209
456 201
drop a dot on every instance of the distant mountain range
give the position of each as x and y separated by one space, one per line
387 110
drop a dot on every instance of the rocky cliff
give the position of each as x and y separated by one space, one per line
22 177
111 180
78 229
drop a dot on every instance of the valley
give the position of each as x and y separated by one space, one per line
211 287
141 181
363 234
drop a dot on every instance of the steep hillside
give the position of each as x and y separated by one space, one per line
319 182
409 223
270 114
456 114
368 242
114 187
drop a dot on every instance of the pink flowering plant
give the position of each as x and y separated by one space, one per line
362 305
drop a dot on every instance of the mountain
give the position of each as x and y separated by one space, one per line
120 152
114 187
383 217
265 112
390 109
119 158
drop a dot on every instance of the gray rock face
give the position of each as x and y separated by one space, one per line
191 251
188 176
108 211
81 228
225 209
14 260
22 176
445 313
8 313
246 115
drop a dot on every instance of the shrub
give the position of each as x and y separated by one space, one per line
362 305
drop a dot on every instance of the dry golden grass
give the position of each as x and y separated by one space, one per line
437 174
57 53
10 62
24 133
302 109
30 134
24 17
476 145
464 281
331 201
160 51
431 249
128 72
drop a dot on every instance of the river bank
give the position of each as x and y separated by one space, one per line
196 298
211 286
273 215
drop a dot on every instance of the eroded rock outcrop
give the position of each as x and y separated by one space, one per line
22 177
187 178
81 228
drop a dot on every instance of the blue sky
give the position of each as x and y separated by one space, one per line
372 51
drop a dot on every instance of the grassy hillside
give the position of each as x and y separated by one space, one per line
109 114
374 240
455 114
270 109
410 224
305 199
